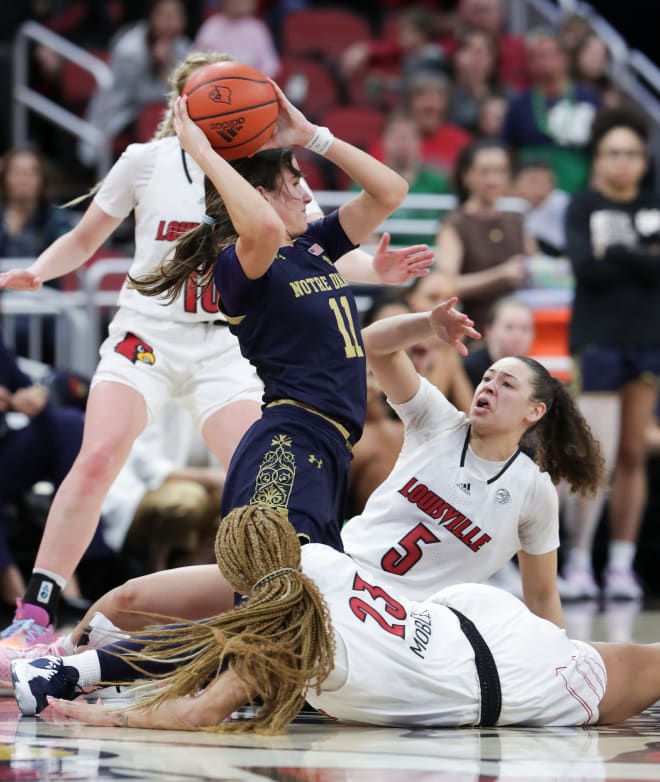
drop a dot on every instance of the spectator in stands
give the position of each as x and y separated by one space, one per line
571 31
141 58
237 30
402 152
591 63
508 331
535 182
488 15
37 442
613 242
433 358
552 119
481 248
474 73
490 116
427 100
29 222
387 65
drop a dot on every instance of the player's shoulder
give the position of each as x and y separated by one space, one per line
539 480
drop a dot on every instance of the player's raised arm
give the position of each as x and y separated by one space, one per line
386 341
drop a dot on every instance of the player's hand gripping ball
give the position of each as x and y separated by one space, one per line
235 105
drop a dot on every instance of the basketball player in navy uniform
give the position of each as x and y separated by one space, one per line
292 311
153 353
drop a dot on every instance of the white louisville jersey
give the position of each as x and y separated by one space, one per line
164 186
407 662
387 671
445 516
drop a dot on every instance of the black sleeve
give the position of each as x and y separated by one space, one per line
588 270
640 261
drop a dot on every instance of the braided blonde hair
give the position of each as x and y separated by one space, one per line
279 642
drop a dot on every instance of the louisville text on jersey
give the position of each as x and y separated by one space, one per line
445 514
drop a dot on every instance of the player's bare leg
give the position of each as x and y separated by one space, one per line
633 679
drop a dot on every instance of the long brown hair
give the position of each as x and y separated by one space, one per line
279 642
196 252
562 440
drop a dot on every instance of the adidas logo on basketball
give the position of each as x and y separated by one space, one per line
228 129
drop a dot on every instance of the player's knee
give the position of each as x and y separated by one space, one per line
97 464
125 599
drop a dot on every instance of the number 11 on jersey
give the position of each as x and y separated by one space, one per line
346 327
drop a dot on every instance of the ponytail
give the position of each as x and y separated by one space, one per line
564 445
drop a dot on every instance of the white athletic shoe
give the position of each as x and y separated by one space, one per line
35 679
622 585
100 631
577 584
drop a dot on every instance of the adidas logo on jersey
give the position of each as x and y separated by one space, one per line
464 487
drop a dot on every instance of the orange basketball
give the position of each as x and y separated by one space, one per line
234 104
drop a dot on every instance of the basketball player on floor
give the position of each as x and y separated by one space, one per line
316 626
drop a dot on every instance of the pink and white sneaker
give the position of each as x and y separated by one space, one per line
30 627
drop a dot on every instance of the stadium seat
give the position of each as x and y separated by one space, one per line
358 125
148 120
322 32
77 84
309 85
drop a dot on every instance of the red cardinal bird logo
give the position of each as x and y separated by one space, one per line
135 349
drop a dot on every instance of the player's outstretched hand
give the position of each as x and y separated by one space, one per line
292 126
20 280
451 325
397 266
88 713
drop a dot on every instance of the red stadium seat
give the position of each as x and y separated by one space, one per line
309 85
77 84
358 125
322 32
148 120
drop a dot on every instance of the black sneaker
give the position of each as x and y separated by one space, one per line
35 679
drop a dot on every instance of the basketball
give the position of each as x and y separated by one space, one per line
235 105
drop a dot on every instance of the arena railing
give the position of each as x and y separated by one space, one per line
26 99
67 314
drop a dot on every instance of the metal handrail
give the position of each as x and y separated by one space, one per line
25 98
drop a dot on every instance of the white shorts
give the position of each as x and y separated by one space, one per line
546 678
199 365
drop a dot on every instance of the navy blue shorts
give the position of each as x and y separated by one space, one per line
294 460
600 369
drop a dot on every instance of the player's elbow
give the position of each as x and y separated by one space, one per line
395 193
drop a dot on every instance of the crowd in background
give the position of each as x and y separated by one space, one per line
456 105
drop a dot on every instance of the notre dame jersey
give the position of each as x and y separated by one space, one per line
299 325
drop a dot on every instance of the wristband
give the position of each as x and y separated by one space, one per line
320 141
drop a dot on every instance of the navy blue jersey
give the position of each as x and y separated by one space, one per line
299 325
